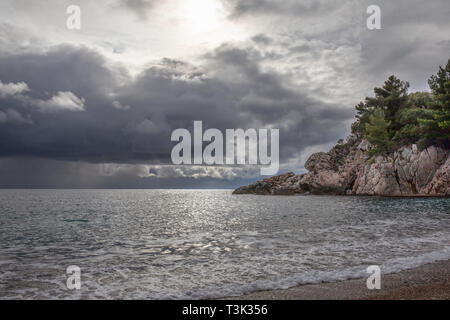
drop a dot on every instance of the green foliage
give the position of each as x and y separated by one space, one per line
436 124
392 97
422 100
363 112
393 117
376 132
410 131
429 127
439 85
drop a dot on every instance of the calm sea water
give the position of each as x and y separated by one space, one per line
158 244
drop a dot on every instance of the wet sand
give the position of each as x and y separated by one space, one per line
430 281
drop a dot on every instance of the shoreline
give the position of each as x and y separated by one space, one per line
345 195
430 281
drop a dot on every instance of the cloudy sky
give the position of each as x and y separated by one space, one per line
95 107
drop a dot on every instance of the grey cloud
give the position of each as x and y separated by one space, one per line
11 89
240 8
62 101
116 104
263 39
231 91
413 33
410 42
198 172
138 7
14 39
12 116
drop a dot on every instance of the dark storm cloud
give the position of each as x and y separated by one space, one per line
132 122
61 72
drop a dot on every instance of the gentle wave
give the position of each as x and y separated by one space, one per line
177 244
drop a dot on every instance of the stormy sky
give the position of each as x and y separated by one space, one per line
95 107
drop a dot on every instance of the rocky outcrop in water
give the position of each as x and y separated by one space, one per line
348 170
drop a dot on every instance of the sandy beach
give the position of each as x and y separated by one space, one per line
428 282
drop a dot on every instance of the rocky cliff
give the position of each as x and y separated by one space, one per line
348 170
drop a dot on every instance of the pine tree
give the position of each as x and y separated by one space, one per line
440 85
376 132
391 97
436 126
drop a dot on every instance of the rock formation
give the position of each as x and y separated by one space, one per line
347 169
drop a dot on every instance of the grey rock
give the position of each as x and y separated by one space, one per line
348 170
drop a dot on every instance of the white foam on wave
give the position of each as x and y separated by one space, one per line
313 277
133 289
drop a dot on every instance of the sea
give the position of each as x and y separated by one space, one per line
205 244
